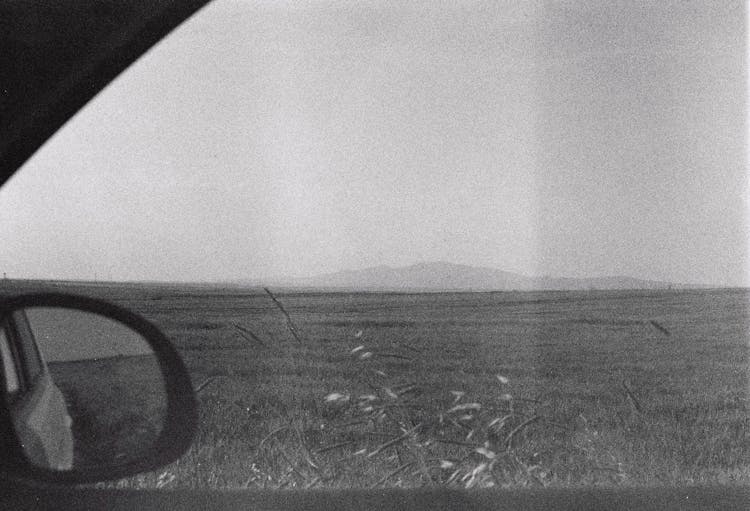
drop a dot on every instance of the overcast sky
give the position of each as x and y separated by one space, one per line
299 138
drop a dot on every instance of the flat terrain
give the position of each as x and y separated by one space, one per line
467 389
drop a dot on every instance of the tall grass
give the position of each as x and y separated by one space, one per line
464 440
592 394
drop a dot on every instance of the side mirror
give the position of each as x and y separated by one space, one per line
90 391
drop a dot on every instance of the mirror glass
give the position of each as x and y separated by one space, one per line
84 390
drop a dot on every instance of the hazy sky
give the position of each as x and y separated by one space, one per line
298 138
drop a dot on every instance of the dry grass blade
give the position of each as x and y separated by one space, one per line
527 399
415 406
394 355
334 446
367 382
405 385
453 476
458 424
407 390
631 398
245 332
205 383
312 483
377 433
519 428
464 407
271 435
292 466
305 450
347 424
660 328
412 348
289 322
394 441
606 469
456 442
394 473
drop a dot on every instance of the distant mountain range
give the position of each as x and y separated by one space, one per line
441 276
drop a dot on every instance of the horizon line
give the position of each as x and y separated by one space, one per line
249 283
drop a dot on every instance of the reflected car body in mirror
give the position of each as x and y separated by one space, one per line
110 379
91 390
37 407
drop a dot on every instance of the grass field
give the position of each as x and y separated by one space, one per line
464 389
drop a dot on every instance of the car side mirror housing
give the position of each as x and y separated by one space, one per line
90 391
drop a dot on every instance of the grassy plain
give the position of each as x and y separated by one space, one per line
605 388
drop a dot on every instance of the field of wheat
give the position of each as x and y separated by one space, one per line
546 389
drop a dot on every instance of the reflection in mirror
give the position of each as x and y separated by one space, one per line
85 391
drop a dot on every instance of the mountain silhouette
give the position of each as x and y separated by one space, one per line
443 276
